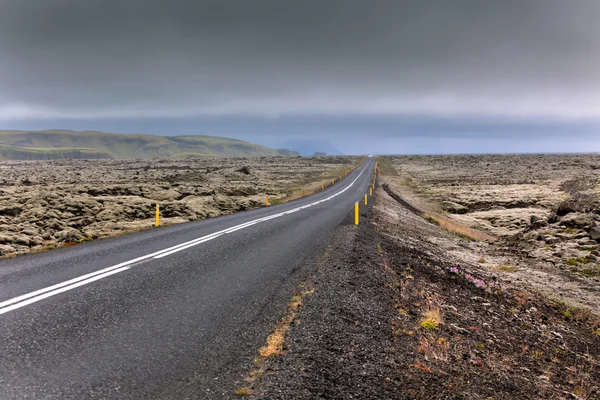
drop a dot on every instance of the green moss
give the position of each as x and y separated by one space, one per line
576 261
429 324
507 268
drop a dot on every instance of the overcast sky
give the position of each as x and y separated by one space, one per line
367 76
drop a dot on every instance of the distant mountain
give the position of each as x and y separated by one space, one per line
57 144
308 147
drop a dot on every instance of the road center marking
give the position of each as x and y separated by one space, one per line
37 295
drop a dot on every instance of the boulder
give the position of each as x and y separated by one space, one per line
68 235
244 170
11 210
6 249
454 208
566 207
577 220
163 195
21 239
30 232
595 233
538 224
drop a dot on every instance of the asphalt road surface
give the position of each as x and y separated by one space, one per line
175 312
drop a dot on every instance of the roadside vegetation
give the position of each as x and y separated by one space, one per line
49 204
405 309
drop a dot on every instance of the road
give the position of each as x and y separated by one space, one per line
174 312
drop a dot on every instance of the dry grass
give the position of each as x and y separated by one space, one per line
245 391
274 346
386 167
275 341
507 268
457 228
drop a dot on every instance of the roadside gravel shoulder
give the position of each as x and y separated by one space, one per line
395 314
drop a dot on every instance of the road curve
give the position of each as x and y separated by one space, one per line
175 312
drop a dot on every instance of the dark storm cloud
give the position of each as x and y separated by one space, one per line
139 58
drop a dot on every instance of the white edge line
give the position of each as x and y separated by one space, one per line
63 289
37 295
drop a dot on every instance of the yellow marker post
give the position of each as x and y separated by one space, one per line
365 199
356 213
267 201
157 216
370 191
332 181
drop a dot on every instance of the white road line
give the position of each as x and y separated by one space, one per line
63 289
37 295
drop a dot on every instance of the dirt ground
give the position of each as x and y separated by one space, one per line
44 204
400 308
541 213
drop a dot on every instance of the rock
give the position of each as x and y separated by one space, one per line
163 195
21 239
36 240
11 210
591 258
577 220
454 208
594 233
239 191
538 224
563 236
47 236
52 214
68 235
534 218
6 249
244 170
550 239
458 329
29 232
565 207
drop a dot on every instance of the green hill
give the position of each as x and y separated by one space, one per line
53 144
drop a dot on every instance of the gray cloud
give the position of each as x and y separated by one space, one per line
95 59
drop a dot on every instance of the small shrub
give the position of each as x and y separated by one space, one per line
481 260
507 268
430 324
576 261
243 391
568 314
